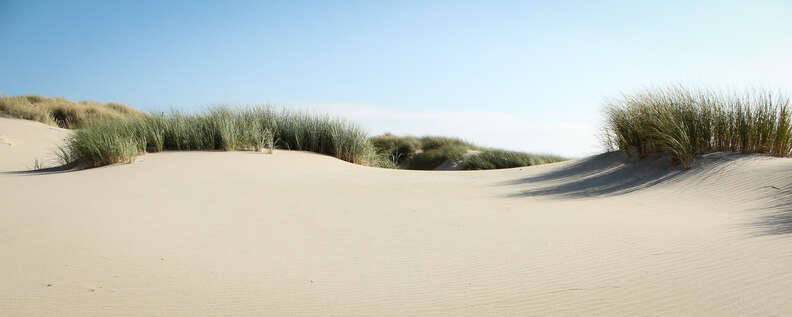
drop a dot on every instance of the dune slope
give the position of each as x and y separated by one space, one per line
236 233
23 142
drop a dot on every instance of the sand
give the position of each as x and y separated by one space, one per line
300 234
23 143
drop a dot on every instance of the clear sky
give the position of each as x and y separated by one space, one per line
522 75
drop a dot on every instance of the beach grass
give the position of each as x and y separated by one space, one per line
430 152
108 133
685 123
434 157
496 159
397 149
219 129
424 153
62 112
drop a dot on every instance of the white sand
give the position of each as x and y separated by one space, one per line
299 234
23 142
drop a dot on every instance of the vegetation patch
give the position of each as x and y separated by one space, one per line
686 123
112 133
64 113
495 159
396 149
434 157
430 152
223 129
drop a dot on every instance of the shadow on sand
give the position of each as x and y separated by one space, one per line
45 171
600 175
777 219
612 174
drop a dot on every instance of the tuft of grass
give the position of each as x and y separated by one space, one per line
62 112
495 159
223 129
685 123
103 143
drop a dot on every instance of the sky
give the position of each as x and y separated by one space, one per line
520 75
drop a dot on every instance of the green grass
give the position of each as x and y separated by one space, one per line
434 142
62 112
113 133
429 152
223 129
686 123
424 153
495 159
396 149
434 157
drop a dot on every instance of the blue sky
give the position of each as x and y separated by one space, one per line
522 75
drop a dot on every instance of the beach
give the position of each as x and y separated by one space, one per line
302 234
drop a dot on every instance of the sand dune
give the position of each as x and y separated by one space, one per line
24 142
300 234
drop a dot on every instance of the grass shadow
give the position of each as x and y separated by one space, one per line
613 173
777 219
46 171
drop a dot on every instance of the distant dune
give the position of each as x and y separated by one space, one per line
302 234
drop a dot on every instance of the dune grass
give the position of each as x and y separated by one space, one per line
62 112
223 129
396 149
113 133
434 157
495 159
685 123
430 152
424 153
429 143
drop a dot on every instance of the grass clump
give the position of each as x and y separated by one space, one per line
434 157
224 129
103 144
495 159
64 113
685 123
